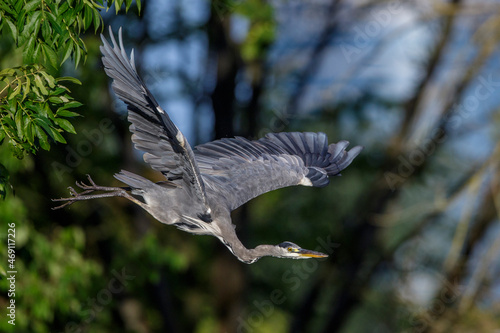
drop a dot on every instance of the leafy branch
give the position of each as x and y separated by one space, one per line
34 105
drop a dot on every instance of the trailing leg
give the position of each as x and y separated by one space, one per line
88 189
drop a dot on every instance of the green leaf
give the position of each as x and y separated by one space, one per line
57 136
87 17
18 6
13 29
55 25
61 9
47 112
36 108
67 51
49 78
79 6
42 138
29 50
56 100
44 123
30 133
78 54
28 130
66 113
118 5
72 104
8 9
128 3
97 20
69 78
70 17
46 30
27 86
19 123
9 122
65 98
32 25
7 72
35 91
31 5
15 92
4 184
40 85
50 55
59 90
65 125
138 2
79 23
36 54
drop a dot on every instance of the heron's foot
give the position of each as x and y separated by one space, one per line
88 189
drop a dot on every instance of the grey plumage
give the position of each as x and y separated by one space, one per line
166 149
241 169
203 185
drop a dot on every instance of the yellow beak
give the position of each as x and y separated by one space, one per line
311 254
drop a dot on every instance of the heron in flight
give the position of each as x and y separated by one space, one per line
203 185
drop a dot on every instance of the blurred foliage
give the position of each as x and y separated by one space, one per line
49 269
4 181
261 32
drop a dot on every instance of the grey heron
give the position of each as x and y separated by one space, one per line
203 185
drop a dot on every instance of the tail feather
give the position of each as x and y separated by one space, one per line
133 180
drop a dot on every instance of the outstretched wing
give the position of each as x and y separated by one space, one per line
238 170
166 149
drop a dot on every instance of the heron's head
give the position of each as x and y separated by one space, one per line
291 250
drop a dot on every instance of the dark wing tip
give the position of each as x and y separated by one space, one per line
354 151
340 157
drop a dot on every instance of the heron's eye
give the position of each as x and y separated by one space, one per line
290 249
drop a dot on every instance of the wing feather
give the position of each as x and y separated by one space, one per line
238 169
166 149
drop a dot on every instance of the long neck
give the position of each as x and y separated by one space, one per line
248 256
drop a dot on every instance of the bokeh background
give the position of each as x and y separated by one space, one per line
412 226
